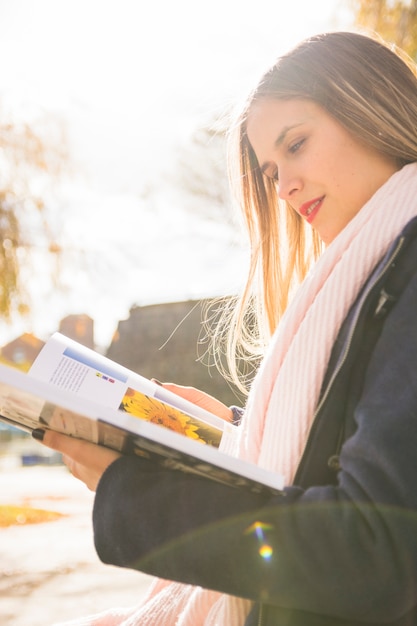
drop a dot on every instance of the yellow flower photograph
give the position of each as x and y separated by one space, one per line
151 410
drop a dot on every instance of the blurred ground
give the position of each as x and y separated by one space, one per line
50 572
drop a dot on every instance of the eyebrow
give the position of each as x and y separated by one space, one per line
284 132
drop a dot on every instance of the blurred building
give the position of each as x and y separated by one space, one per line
22 351
166 342
80 328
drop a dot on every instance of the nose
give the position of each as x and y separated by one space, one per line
288 184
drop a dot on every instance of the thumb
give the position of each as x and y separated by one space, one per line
69 446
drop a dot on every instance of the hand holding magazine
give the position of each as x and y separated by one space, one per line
76 391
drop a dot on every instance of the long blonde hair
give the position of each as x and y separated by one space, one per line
370 88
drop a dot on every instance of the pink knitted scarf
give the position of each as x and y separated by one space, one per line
281 404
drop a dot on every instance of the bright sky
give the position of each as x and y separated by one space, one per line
131 78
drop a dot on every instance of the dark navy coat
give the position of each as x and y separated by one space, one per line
342 542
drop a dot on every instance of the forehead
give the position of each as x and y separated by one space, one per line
270 119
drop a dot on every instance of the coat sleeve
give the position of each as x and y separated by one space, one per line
347 550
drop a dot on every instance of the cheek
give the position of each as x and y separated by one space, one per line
344 176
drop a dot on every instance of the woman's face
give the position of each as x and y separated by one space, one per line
321 170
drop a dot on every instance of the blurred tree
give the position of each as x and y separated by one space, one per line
394 20
31 156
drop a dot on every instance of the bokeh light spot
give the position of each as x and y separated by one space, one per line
265 552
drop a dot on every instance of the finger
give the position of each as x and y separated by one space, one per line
203 400
57 441
84 453
77 449
69 462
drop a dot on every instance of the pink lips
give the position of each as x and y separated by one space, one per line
310 209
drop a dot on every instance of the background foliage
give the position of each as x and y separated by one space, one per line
395 21
32 155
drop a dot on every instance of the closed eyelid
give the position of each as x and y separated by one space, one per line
296 145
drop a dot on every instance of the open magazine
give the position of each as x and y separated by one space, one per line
75 390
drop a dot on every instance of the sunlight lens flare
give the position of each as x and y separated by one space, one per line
257 529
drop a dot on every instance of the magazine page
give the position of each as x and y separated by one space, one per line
72 367
28 404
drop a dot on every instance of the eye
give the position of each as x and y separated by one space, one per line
293 148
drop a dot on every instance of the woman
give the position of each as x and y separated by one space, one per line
327 148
